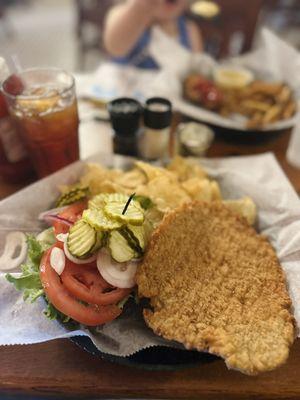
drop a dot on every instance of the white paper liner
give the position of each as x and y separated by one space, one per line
257 176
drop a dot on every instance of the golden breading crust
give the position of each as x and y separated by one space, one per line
216 285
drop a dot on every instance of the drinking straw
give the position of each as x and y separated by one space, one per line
16 64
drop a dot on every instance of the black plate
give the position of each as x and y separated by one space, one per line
247 137
157 358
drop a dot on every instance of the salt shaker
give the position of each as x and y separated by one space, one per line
154 139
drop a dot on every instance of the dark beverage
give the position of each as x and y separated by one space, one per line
45 114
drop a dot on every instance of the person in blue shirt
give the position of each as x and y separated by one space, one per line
127 32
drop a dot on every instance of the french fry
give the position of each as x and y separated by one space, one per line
272 115
255 121
256 105
267 88
261 102
284 95
289 110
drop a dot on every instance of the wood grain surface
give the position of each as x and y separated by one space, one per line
60 369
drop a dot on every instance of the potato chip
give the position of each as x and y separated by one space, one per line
215 191
100 179
165 193
244 207
154 215
153 172
93 177
182 181
203 189
185 169
132 179
108 186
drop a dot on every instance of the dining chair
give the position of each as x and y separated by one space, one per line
232 31
90 14
282 14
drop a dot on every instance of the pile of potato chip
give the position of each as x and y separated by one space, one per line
183 180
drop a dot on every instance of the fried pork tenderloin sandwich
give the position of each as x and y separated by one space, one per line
216 285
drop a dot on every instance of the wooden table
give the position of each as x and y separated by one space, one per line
59 368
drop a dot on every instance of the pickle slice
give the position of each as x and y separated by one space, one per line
118 197
72 196
98 202
131 241
98 220
119 247
82 239
134 214
100 241
137 236
102 199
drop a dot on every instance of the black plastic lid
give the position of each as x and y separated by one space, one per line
158 113
125 114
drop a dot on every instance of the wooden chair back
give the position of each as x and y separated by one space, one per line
232 31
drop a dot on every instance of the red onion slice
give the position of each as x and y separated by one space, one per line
55 218
53 211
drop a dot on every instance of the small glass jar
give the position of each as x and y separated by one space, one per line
193 139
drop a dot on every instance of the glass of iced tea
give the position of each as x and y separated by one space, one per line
43 104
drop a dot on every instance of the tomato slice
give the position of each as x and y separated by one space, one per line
86 283
59 296
71 213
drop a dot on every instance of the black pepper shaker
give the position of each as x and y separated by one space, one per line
125 117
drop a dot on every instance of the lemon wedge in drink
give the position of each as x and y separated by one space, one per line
232 77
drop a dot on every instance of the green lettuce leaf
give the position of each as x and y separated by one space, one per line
46 238
122 303
52 313
29 280
144 201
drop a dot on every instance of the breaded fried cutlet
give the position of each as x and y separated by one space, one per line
216 285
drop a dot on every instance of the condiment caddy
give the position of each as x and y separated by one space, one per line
141 131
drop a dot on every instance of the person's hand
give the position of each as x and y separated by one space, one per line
150 7
160 9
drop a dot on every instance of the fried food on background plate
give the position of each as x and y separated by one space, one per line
261 103
216 285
